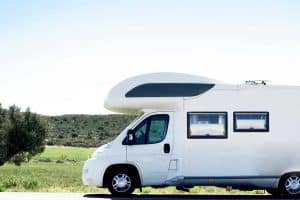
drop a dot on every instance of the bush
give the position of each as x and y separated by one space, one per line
2 189
22 135
74 135
44 160
63 157
68 144
74 160
50 143
10 182
30 184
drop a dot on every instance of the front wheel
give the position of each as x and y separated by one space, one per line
121 182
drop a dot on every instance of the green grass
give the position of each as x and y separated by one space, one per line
75 154
48 175
58 169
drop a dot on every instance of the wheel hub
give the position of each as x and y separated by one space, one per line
121 182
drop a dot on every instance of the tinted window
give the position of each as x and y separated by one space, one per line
158 129
152 130
140 133
251 121
206 125
169 90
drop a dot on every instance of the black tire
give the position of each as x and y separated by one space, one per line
290 184
274 191
121 188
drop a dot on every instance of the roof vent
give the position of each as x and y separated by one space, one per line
256 82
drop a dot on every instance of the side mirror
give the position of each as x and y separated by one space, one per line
130 137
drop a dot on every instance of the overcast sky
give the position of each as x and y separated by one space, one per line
62 57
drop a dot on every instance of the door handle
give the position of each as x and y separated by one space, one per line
166 148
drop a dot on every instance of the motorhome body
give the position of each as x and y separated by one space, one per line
198 131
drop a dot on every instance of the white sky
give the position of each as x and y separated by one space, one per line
63 58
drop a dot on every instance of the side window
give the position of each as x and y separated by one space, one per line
207 125
140 133
152 130
158 129
251 121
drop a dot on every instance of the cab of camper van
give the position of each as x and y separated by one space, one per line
194 131
138 156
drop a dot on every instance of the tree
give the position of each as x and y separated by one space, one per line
3 136
22 135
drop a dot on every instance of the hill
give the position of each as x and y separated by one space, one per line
85 130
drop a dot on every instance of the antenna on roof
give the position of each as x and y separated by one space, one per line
257 82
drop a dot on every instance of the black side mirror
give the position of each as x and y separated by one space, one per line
130 137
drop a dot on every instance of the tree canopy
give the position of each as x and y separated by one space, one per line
22 135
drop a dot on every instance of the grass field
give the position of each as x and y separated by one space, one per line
72 154
58 169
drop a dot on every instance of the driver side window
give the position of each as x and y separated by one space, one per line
152 130
140 133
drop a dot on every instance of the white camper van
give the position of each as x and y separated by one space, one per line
198 131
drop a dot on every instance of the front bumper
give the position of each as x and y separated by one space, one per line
92 173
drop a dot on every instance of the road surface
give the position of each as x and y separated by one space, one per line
81 196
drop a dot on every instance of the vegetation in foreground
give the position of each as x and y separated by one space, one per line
58 169
22 135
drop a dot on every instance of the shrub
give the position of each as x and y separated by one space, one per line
22 135
50 143
30 184
68 143
2 189
44 160
10 182
74 135
63 157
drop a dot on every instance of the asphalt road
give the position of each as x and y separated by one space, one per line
80 196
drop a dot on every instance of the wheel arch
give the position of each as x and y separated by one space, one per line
286 174
117 166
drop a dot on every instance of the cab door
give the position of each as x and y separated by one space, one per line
151 147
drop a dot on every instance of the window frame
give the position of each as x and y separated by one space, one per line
165 131
148 120
225 136
267 129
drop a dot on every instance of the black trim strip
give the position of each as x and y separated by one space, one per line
229 177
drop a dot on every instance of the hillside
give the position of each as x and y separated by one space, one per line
85 130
